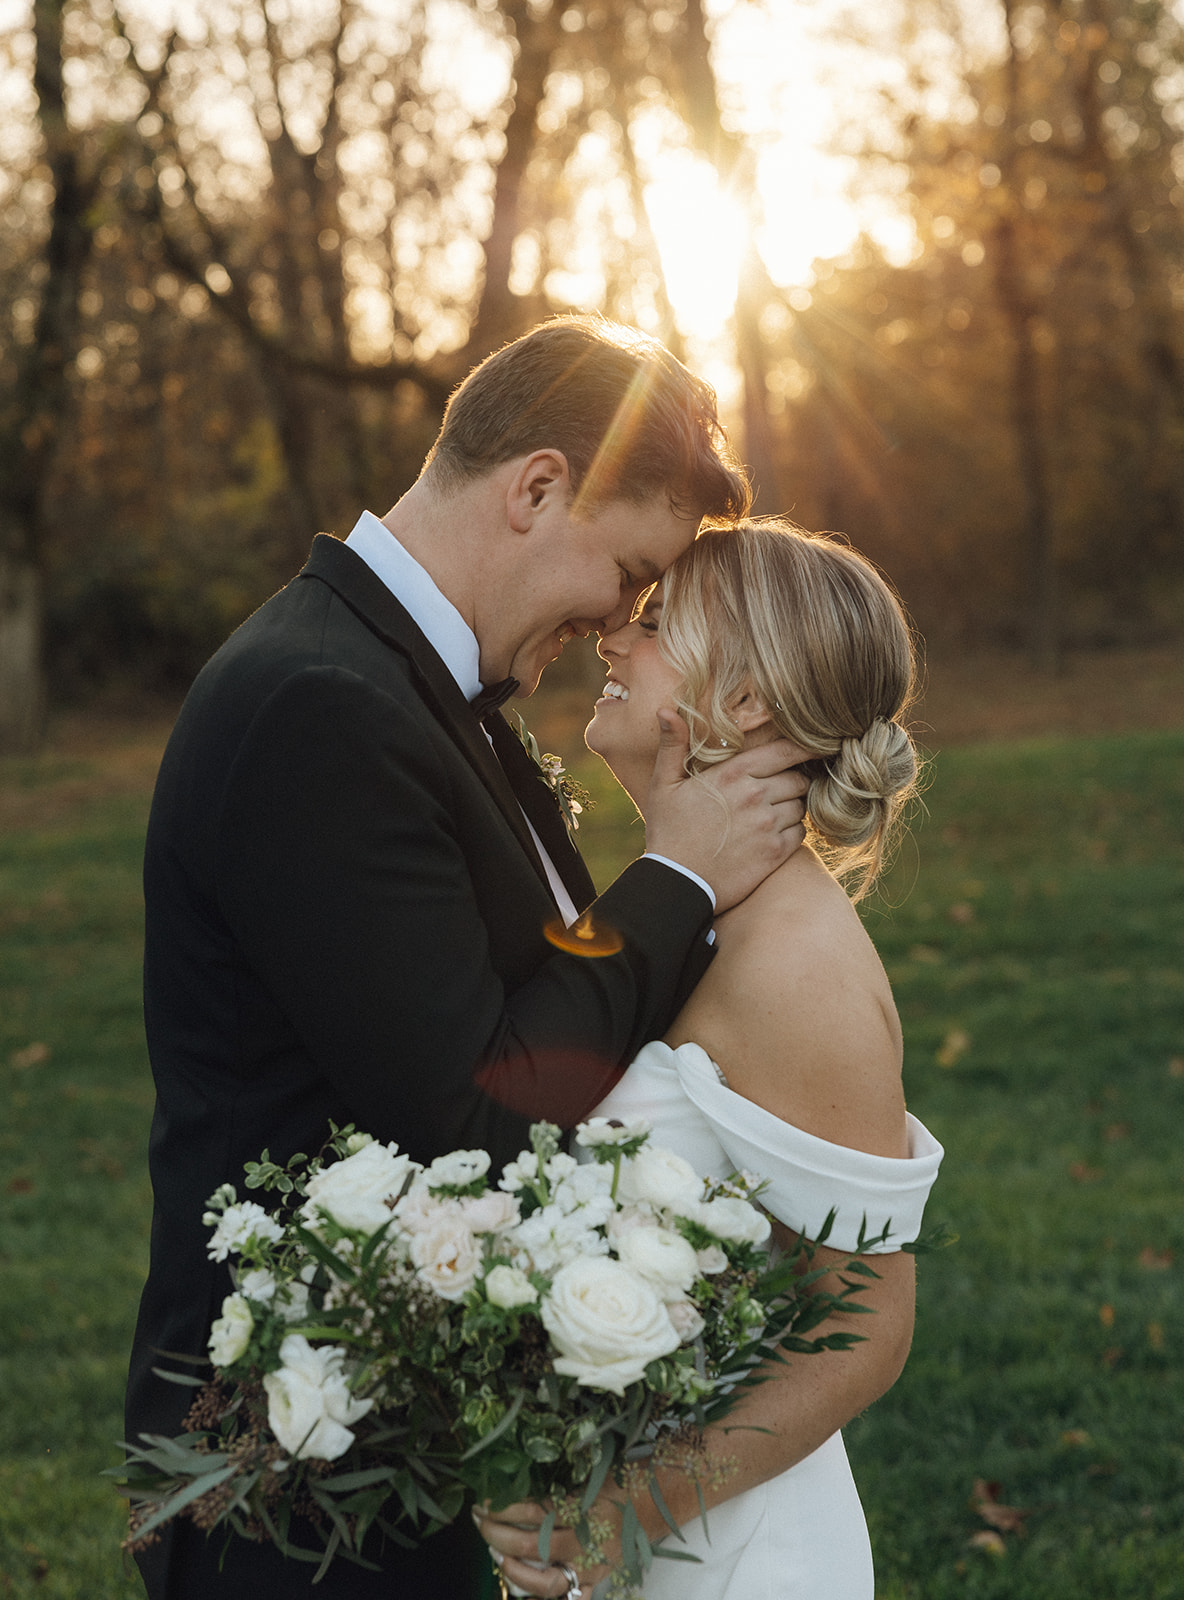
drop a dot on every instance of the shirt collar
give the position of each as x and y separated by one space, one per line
445 629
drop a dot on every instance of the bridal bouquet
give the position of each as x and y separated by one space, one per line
403 1339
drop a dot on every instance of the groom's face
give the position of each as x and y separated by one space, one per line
585 574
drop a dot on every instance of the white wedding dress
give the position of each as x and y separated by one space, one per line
801 1535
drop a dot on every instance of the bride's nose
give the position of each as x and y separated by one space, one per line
613 644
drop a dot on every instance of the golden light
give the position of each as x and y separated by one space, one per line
701 234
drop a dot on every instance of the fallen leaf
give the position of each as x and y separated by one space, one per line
961 912
1176 1067
990 1541
1082 1172
1112 1355
925 954
1117 1131
19 1186
1106 1316
1077 1437
955 1045
33 1055
985 1503
1155 1260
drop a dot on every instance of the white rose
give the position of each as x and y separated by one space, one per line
231 1332
309 1405
684 1314
662 1258
509 1288
446 1257
733 1219
238 1227
457 1169
490 1212
355 1192
606 1323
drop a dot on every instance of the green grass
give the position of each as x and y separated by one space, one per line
1033 927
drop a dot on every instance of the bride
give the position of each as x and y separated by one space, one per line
786 1060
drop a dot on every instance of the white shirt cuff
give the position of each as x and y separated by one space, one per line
651 855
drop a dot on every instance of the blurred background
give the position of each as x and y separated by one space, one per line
929 252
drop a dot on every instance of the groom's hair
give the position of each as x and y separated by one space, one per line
630 420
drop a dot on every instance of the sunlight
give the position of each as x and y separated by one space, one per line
701 234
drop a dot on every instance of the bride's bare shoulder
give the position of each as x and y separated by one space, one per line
798 1012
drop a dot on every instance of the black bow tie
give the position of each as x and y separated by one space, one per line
493 698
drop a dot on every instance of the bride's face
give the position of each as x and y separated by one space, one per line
624 730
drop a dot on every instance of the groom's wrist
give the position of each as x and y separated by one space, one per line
652 855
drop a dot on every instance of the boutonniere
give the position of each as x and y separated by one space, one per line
572 798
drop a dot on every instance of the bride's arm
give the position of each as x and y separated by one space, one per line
774 1426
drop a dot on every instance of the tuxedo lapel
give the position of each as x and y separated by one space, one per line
538 801
374 604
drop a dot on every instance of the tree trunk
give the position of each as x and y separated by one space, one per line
31 420
22 683
1020 312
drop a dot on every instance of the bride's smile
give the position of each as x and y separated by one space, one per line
624 730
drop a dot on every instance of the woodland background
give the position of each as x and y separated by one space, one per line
248 246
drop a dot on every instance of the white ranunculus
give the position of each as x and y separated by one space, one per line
491 1212
231 1332
733 1219
457 1169
356 1142
446 1256
661 1177
686 1319
359 1191
237 1226
662 1258
309 1405
509 1288
604 1130
606 1322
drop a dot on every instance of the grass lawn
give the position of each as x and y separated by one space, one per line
1033 928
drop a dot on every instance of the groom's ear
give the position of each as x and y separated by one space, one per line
540 483
749 710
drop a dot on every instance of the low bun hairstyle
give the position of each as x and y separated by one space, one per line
815 628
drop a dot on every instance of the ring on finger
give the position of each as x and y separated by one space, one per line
573 1581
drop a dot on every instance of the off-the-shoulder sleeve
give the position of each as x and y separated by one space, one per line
809 1177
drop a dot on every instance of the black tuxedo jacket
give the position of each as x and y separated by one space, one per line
344 919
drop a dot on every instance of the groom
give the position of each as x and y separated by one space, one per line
351 862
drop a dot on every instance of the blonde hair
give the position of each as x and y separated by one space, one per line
813 627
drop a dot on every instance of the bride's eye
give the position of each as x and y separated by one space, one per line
647 622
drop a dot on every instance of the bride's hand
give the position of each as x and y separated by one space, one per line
513 1536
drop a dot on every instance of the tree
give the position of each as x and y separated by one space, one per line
33 409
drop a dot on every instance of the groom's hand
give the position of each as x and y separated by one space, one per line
733 824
